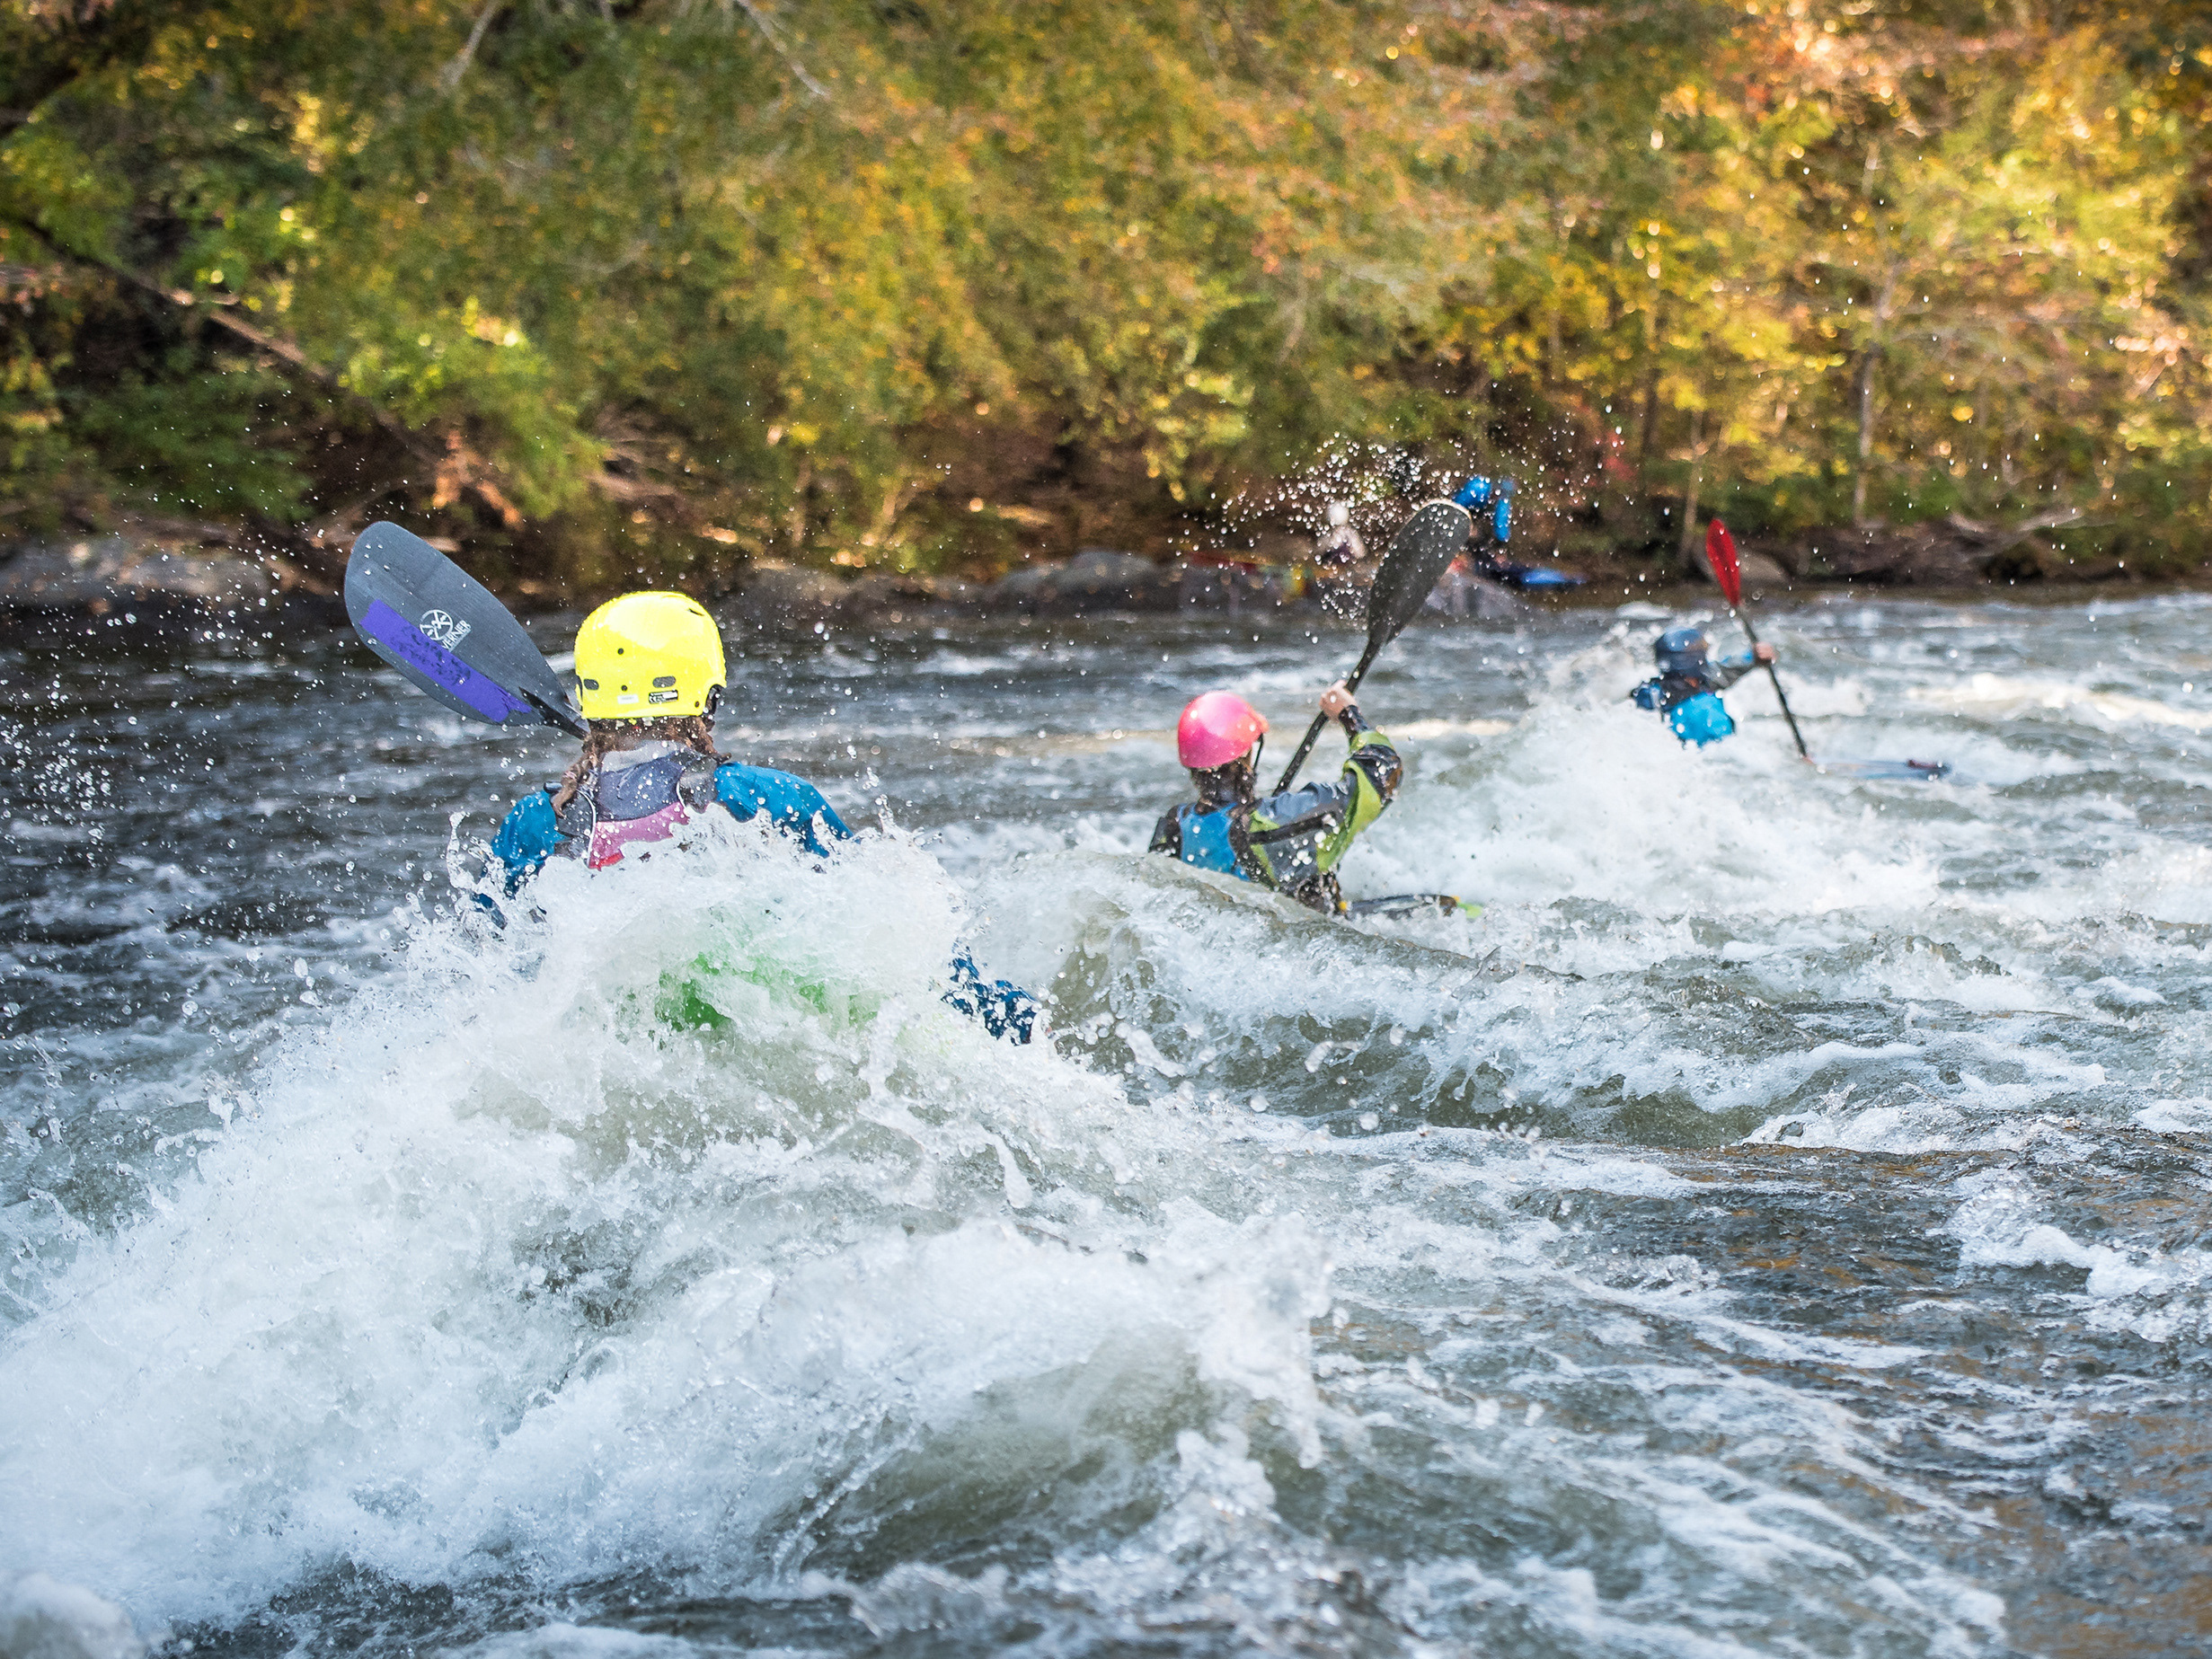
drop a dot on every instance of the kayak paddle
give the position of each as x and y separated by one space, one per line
1721 554
438 626
1411 567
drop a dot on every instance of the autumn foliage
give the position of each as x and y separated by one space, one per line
656 286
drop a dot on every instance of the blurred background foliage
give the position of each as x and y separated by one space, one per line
651 288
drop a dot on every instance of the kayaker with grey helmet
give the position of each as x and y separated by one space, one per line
1686 690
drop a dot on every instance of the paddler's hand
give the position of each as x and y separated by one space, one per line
1762 652
1335 699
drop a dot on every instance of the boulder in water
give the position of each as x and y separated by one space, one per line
1101 579
1225 587
1459 592
779 596
1098 579
1763 573
883 597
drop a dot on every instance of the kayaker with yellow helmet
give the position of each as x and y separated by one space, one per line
649 673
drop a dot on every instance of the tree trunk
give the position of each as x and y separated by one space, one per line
1863 386
796 521
1649 418
1689 497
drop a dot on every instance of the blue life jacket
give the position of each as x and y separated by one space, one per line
1206 839
532 833
791 804
1687 692
1701 719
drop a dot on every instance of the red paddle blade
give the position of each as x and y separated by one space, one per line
1721 554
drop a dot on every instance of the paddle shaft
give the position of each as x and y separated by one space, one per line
1802 753
1321 722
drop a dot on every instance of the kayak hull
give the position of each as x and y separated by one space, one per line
1410 904
1920 772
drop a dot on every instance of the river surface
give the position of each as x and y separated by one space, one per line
1778 1223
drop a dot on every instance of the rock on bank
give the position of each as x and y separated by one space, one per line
1098 579
171 579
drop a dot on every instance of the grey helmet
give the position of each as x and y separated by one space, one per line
1681 651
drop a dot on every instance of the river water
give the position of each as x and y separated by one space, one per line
1776 1224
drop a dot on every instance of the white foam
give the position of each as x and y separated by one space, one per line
562 1640
2150 1292
527 1249
41 1618
2011 697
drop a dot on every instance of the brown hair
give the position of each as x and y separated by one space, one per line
1231 782
611 736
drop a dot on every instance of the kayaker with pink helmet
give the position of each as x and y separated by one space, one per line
1293 841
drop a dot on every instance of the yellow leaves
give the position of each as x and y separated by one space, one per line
489 328
1150 232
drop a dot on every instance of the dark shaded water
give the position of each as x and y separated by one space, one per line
1776 1224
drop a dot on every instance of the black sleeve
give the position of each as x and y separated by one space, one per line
1730 669
1167 835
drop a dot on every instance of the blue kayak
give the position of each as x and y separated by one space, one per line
1922 771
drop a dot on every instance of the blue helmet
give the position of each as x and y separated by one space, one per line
1681 650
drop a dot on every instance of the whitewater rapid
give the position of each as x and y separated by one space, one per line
1770 1225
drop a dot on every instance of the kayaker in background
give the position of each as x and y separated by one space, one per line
649 673
1687 688
1339 561
1292 842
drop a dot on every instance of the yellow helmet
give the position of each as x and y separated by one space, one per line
646 657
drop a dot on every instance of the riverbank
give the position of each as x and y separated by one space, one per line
174 579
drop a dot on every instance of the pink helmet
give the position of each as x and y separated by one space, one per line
1216 729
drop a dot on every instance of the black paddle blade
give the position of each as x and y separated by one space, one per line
438 626
1413 564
